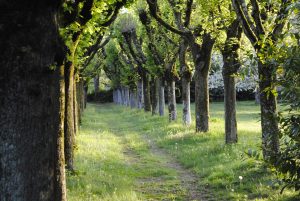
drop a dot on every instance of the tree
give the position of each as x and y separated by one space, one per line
256 29
230 69
31 122
201 57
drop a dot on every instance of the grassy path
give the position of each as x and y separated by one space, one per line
127 155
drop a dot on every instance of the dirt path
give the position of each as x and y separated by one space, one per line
189 180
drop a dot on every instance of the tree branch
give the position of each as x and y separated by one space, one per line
256 14
188 13
118 6
153 11
241 16
280 20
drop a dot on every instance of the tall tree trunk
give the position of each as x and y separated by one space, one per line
61 193
31 158
172 101
76 114
202 60
140 94
202 102
69 116
161 97
186 102
185 82
230 109
146 92
154 96
269 115
230 69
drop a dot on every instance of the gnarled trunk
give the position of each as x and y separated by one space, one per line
172 101
31 97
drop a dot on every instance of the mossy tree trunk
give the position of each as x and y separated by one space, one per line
269 114
263 40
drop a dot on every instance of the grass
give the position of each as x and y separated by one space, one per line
114 161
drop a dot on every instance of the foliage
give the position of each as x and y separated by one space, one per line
287 165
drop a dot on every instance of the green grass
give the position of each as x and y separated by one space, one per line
114 163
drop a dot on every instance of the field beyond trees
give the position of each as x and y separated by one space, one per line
125 154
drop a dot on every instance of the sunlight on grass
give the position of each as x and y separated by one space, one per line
113 161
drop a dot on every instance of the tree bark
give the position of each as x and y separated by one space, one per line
69 116
230 69
269 115
31 154
172 101
61 192
202 61
202 101
186 102
154 96
76 112
185 83
161 97
140 94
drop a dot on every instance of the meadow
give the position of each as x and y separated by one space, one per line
124 154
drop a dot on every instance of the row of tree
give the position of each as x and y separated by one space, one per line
152 47
45 46
150 42
50 50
